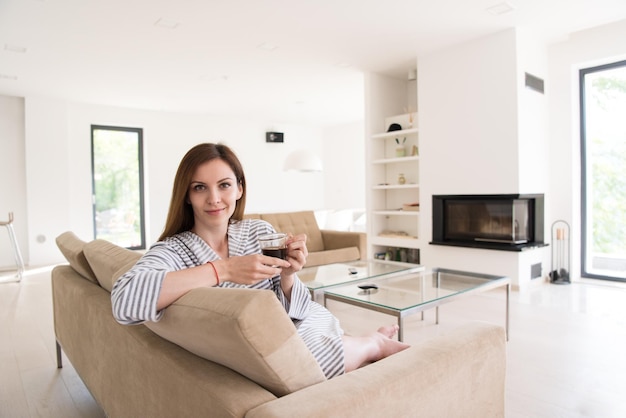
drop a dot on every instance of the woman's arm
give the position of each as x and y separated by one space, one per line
135 294
177 283
160 278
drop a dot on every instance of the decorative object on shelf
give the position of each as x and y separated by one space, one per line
414 255
405 255
415 151
401 255
303 161
411 207
409 111
400 150
394 127
401 179
560 269
394 234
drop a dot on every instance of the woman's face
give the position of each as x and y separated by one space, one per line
213 194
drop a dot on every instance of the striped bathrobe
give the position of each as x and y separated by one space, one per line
135 294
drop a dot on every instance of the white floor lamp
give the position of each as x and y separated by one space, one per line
303 161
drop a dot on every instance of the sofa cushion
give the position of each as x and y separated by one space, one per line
246 330
298 223
72 249
107 261
341 255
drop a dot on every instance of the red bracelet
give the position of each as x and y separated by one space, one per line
217 276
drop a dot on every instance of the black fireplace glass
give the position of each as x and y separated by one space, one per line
505 221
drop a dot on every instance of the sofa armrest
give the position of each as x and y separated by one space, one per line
458 374
343 239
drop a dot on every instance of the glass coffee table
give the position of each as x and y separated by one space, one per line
406 294
321 278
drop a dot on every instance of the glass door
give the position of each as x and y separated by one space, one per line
603 151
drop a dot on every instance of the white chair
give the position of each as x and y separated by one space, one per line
16 252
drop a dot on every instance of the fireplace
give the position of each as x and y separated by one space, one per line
510 222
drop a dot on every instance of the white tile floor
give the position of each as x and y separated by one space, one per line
566 354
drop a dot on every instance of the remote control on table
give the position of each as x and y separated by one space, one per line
368 286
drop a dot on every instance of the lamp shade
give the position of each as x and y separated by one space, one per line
303 160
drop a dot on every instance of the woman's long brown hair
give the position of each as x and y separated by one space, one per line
180 215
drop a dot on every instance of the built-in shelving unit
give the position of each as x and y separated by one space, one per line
393 189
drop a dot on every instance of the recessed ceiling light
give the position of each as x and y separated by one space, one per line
8 77
500 8
267 46
167 23
15 48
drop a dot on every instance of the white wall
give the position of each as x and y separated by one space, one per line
52 171
468 118
12 178
533 129
344 175
534 143
50 176
584 49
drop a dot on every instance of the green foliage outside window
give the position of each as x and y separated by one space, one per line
117 186
606 150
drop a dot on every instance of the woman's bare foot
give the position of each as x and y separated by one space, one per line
389 331
359 351
386 345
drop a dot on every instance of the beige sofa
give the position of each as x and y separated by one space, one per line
235 353
325 246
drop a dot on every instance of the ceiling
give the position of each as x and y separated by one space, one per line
285 61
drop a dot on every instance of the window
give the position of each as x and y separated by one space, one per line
117 178
603 151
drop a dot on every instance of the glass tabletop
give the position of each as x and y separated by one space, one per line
328 275
416 288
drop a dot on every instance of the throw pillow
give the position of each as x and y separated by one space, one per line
107 260
246 330
72 249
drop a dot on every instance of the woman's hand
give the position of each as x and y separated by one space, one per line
250 269
296 255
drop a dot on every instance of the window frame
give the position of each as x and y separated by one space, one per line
584 270
142 223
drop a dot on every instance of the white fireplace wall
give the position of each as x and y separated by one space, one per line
472 107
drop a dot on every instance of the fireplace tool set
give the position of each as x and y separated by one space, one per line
16 252
560 271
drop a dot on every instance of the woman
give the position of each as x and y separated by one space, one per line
207 243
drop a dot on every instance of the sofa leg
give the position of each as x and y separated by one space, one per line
59 359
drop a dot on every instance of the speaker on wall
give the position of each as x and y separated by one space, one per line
274 137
